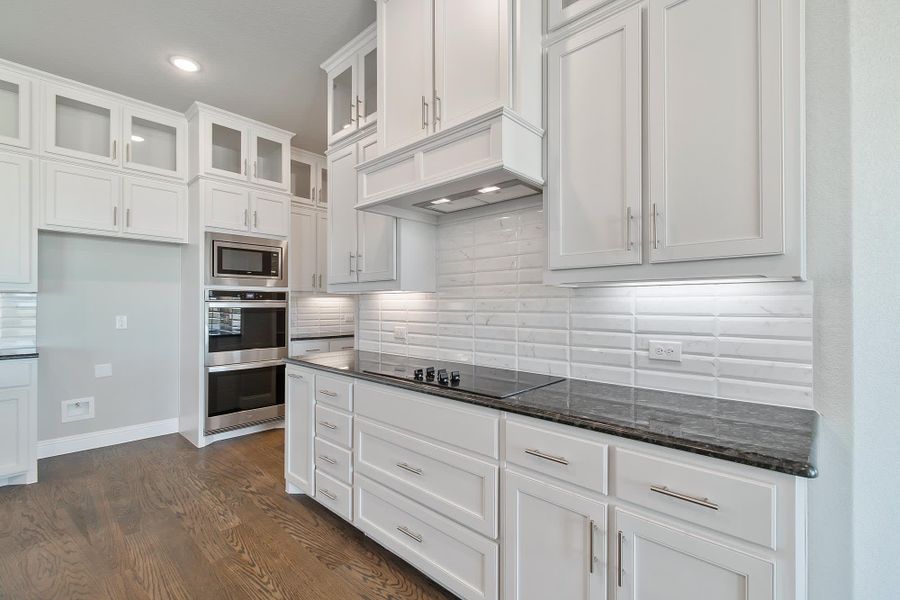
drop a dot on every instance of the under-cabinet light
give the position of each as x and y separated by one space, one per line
441 201
488 189
137 138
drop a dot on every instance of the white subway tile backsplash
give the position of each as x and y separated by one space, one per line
18 320
748 341
327 315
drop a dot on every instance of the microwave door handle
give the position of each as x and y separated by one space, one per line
247 304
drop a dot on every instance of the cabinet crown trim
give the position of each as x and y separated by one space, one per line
350 48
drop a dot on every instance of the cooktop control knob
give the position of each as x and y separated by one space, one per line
443 378
429 373
419 374
454 377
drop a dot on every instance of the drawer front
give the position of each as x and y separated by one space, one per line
301 347
464 562
733 505
334 426
447 421
334 495
334 392
555 453
340 344
458 486
15 373
334 461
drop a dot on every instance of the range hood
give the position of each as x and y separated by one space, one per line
485 161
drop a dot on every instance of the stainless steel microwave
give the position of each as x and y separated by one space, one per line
238 260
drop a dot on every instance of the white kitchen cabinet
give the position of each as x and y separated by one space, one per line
155 142
716 129
299 418
657 561
226 206
224 146
299 347
309 249
594 158
269 157
342 238
321 250
81 198
309 178
352 85
155 209
82 124
376 255
554 542
18 421
18 241
15 108
269 213
560 12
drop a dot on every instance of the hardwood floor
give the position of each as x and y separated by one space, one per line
161 519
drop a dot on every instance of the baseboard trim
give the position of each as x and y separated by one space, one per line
107 437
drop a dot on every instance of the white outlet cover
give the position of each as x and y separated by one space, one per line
669 351
104 370
121 322
400 333
77 409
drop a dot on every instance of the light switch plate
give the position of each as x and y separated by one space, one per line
670 351
400 333
104 370
121 322
77 409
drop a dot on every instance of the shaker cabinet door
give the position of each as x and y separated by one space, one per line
303 249
16 231
342 215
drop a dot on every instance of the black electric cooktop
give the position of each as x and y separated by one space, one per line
484 381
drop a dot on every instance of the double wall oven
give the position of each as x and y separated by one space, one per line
246 332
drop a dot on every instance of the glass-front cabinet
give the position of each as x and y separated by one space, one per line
560 12
352 87
225 140
15 109
309 178
270 157
82 125
342 101
154 143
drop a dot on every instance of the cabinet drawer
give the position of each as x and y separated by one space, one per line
334 495
464 562
447 421
334 426
340 344
733 505
335 392
15 373
555 453
300 347
334 461
458 486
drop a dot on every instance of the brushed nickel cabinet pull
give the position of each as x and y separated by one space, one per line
358 105
314 192
629 244
557 459
327 459
437 109
413 470
320 281
246 218
328 393
704 502
255 219
409 533
314 280
115 146
328 425
352 270
128 152
619 543
254 168
654 228
591 558
328 494
360 264
424 113
115 215
127 217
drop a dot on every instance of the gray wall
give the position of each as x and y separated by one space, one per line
84 282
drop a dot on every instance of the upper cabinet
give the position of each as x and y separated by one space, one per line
352 87
80 124
15 108
309 178
154 142
18 239
560 12
721 194
236 148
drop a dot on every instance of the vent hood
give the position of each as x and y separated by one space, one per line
491 159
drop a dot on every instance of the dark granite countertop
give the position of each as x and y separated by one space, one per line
770 437
327 336
18 353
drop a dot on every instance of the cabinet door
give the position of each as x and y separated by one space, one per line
555 542
367 85
342 93
155 209
226 206
594 157
471 56
15 109
270 213
304 179
82 125
342 216
303 249
657 562
321 250
155 143
341 344
270 159
376 255
321 194
81 198
16 234
298 464
716 129
225 147
560 12
404 71
13 431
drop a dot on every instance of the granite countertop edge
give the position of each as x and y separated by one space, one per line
796 468
18 354
327 336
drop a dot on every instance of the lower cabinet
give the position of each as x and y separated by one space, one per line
18 243
299 422
18 418
554 542
660 562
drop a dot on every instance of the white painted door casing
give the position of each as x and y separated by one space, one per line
594 146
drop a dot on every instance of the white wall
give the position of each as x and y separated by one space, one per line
84 282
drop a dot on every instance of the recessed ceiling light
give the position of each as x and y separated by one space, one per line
441 201
185 64
488 189
137 138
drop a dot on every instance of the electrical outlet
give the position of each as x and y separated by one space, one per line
121 322
104 370
77 409
400 333
665 351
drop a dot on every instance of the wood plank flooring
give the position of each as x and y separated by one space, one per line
161 519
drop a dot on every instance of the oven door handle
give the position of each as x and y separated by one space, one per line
262 304
246 366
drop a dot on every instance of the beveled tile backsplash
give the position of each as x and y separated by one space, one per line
18 320
317 314
745 341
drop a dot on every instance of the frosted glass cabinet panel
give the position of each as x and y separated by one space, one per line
302 180
343 101
15 109
560 12
267 163
227 149
154 143
309 178
82 125
368 101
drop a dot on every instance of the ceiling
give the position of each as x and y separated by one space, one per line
259 58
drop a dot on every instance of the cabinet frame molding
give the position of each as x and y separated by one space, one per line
27 88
